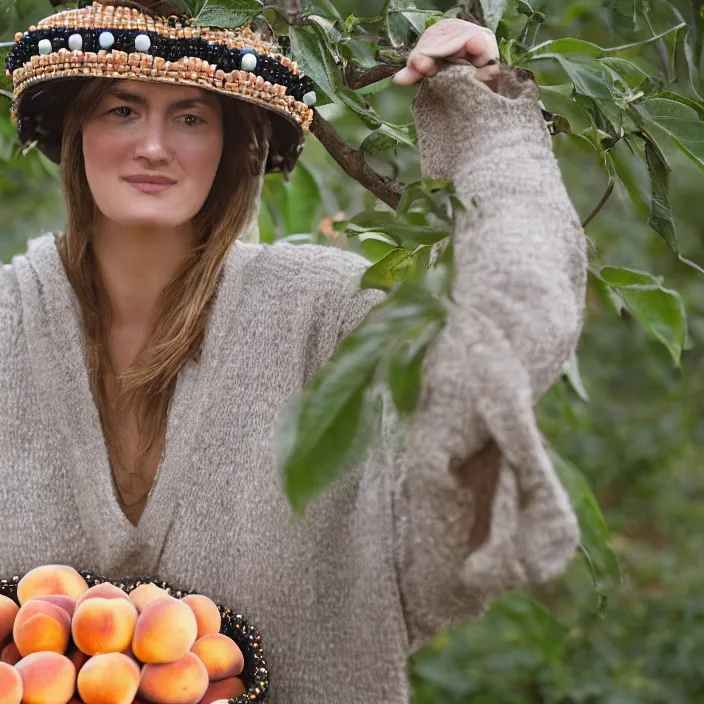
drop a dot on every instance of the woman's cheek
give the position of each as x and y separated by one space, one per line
200 161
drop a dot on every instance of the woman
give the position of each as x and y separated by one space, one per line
146 352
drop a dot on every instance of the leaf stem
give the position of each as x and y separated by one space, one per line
6 45
602 203
650 40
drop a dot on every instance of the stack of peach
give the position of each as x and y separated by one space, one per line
68 643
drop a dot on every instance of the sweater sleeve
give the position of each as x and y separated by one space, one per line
477 506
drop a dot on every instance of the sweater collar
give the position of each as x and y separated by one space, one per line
56 346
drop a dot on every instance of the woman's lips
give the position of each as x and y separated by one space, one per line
145 187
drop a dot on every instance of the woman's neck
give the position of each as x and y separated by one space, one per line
135 267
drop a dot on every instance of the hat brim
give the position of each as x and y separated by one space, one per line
40 110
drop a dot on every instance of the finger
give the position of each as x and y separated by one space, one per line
442 45
407 76
482 48
422 63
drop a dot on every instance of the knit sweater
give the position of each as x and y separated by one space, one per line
418 537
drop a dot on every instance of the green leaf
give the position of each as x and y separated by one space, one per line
323 433
406 366
567 46
378 142
595 539
669 95
330 34
303 201
493 12
571 371
375 245
380 275
589 76
558 101
341 443
534 622
235 15
680 121
658 309
660 218
320 433
309 51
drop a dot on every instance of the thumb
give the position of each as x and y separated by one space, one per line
407 76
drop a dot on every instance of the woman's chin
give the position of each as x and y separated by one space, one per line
141 221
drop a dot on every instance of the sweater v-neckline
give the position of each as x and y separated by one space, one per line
119 545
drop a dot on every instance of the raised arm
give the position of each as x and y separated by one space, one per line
478 506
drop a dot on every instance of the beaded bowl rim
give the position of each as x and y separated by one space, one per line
151 48
234 626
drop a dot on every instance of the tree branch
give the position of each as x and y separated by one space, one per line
354 164
472 11
356 77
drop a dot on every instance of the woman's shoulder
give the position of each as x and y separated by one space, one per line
312 266
10 303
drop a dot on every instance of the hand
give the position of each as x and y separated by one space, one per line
452 41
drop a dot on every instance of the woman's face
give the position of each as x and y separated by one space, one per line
151 152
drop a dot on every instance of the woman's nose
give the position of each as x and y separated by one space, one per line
152 144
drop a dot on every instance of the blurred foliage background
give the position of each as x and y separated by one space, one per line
631 421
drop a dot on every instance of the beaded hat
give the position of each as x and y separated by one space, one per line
109 40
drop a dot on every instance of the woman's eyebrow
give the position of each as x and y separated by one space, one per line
141 100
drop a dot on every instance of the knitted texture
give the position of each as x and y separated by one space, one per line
415 539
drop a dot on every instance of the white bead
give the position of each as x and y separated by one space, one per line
249 62
142 43
106 40
75 42
309 98
44 46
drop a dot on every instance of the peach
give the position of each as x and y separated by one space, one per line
104 625
110 678
166 630
77 657
10 685
47 678
51 579
104 590
182 682
220 655
146 593
207 613
10 654
8 612
63 602
223 690
40 626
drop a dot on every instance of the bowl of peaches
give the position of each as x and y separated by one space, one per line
72 637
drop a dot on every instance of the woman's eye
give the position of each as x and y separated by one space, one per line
191 120
126 112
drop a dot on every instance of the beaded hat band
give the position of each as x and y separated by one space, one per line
114 41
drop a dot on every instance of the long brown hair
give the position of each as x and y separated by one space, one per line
179 325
